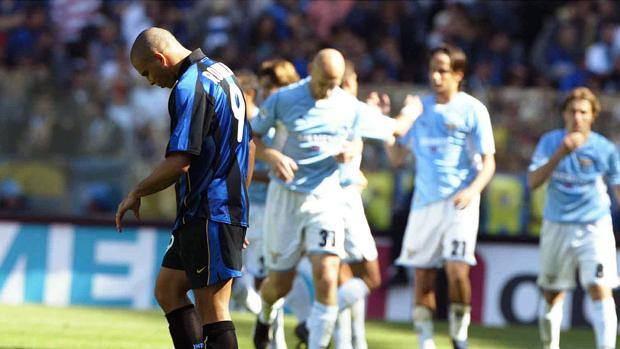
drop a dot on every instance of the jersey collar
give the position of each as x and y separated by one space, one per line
196 56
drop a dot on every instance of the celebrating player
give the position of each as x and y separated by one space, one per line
577 232
207 156
453 146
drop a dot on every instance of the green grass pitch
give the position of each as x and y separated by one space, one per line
39 327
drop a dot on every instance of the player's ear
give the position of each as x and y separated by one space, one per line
159 57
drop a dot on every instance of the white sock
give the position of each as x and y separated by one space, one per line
321 324
605 323
299 300
269 312
459 317
351 291
358 326
423 326
277 331
549 322
246 295
342 331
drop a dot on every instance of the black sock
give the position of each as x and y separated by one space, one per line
220 335
184 325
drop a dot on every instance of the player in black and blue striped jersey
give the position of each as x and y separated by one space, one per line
209 156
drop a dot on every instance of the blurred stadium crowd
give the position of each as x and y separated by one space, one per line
78 125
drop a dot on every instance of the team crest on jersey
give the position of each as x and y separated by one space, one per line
585 162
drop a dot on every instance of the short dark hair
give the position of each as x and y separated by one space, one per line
458 59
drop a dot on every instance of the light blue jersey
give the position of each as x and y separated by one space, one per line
446 140
258 190
372 125
316 131
577 192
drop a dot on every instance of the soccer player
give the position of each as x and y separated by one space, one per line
452 142
272 75
577 233
209 156
359 273
303 211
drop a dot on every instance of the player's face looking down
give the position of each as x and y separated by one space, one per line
322 84
156 69
579 116
444 80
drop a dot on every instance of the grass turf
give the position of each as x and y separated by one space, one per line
40 327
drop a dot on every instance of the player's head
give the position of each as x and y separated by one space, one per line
349 80
276 73
580 109
155 54
447 68
249 86
326 69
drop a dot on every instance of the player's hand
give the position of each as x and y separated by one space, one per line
349 151
463 198
246 243
572 141
283 166
131 202
412 106
382 103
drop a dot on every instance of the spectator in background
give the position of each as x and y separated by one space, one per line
12 198
600 55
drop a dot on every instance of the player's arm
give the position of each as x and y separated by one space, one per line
411 110
252 154
163 175
397 154
482 179
540 175
283 166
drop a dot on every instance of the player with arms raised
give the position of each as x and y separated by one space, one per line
452 141
577 232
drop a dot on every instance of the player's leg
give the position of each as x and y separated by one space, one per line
358 324
343 338
557 273
368 271
422 249
212 257
425 306
324 311
272 291
599 274
459 243
300 298
212 303
171 289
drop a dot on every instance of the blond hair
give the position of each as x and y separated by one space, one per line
583 93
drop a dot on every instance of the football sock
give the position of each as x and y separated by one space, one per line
549 322
605 323
269 312
245 295
299 300
342 332
220 335
358 327
277 330
185 329
321 324
423 326
350 292
459 318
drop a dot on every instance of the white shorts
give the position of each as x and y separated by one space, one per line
359 244
564 248
298 223
253 255
440 232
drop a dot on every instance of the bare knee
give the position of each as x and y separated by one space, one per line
553 297
425 281
370 273
325 274
598 292
277 285
170 296
457 273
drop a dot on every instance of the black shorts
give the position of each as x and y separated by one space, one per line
208 251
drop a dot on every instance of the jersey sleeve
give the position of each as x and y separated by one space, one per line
374 125
541 154
266 118
613 171
482 132
190 113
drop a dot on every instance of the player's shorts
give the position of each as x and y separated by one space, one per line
439 232
359 244
298 223
590 248
253 259
208 251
